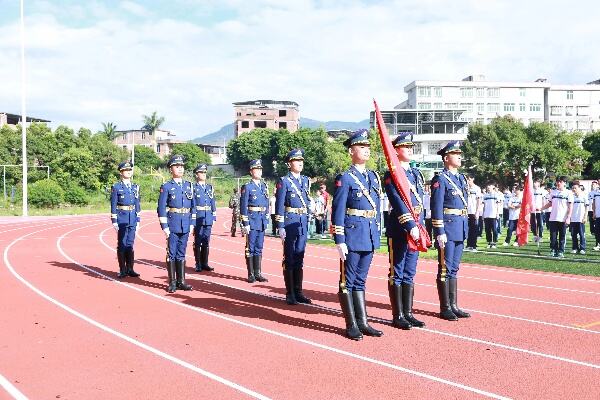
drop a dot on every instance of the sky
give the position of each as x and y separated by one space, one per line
89 62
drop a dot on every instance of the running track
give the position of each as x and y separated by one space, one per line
70 330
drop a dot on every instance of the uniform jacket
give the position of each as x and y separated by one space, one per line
254 195
205 197
445 195
287 196
359 233
174 195
120 195
400 219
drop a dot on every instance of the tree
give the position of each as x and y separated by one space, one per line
109 130
192 154
146 158
77 167
591 143
250 146
152 122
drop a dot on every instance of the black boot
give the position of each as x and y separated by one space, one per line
180 273
398 320
198 258
257 269
130 257
360 309
408 292
445 311
171 274
250 268
352 331
121 258
298 278
453 292
205 266
290 296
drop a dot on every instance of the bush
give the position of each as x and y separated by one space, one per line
45 193
76 195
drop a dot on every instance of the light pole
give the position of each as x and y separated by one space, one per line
23 111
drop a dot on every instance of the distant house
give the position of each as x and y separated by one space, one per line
217 153
272 114
15 119
161 141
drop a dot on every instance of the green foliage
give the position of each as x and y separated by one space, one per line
192 154
77 166
250 146
45 193
152 122
109 130
591 143
146 158
76 195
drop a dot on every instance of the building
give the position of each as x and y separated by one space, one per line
161 141
217 153
15 119
272 114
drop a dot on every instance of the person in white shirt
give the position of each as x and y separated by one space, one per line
561 207
596 215
474 200
578 217
546 214
491 211
319 213
514 209
507 195
594 191
537 219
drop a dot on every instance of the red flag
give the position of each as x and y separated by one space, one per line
523 223
400 182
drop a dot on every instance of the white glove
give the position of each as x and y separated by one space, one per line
192 227
414 233
281 232
167 232
441 239
342 250
246 229
116 226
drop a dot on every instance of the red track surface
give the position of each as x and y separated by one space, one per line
69 330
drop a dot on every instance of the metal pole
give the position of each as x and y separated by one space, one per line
132 147
48 172
4 180
23 110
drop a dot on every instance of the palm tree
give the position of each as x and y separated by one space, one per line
110 130
152 122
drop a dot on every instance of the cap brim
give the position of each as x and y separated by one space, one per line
405 144
296 159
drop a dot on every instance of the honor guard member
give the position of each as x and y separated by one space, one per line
254 208
125 216
355 218
292 203
449 192
206 214
177 216
403 262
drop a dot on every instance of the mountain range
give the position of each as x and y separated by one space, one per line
226 133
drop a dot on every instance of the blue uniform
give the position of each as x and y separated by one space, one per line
176 211
254 208
355 221
403 262
125 211
292 202
205 213
449 217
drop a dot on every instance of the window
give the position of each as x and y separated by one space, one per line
568 125
434 147
555 110
239 114
283 125
437 106
283 113
466 92
417 148
480 92
509 107
479 120
124 135
522 107
424 91
583 110
437 92
493 92
158 148
480 107
467 106
522 92
263 113
569 95
583 125
535 107
557 124
143 135
260 124
451 105
424 106
569 110
245 124
493 107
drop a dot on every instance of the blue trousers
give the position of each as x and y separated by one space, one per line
537 224
354 271
177 246
452 255
254 243
512 226
403 262
293 250
202 235
558 233
125 238
578 235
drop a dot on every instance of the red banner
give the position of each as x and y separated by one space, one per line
400 182
523 224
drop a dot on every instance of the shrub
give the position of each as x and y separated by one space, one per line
76 195
45 193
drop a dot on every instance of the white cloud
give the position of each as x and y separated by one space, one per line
332 57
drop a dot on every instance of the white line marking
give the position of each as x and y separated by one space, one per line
11 389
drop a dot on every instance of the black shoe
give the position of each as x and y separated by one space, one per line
204 256
180 273
408 291
298 278
121 258
453 294
130 259
360 310
445 311
290 296
171 274
250 269
352 331
398 319
258 269
197 258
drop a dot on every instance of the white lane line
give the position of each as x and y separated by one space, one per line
11 389
118 334
290 337
480 341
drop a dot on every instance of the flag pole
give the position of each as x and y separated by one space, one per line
23 111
